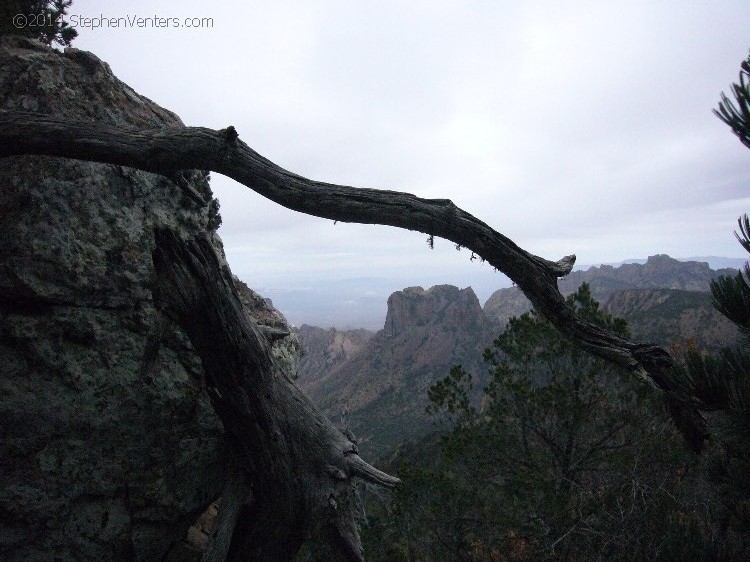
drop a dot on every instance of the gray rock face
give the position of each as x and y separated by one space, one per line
109 447
286 350
416 307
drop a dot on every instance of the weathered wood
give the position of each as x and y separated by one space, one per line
167 151
300 467
237 492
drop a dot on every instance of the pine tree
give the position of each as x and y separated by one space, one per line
42 20
564 458
721 384
738 117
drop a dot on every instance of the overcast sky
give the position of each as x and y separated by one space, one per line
572 127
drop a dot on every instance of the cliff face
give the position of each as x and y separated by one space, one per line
109 448
414 307
382 389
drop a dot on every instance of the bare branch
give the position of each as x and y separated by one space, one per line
292 455
166 151
369 473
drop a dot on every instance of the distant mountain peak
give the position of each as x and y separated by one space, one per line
661 258
414 306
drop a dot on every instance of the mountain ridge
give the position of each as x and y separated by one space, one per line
659 272
376 384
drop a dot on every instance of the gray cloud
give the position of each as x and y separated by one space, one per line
573 127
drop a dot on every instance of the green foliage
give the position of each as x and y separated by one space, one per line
731 297
564 458
720 384
738 117
42 20
452 395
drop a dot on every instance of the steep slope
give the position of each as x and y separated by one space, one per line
673 316
324 351
659 272
382 389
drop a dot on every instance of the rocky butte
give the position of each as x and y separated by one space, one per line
381 389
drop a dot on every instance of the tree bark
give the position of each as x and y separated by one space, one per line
235 495
273 423
299 466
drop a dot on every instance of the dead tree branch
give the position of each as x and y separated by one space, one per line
166 151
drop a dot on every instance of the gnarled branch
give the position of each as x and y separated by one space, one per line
166 151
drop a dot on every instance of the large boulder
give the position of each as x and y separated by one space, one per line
109 446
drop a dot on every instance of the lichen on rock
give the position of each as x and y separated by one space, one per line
109 446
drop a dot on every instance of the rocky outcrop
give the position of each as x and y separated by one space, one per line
659 272
414 307
381 392
109 448
287 348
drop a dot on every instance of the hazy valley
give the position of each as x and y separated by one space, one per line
376 383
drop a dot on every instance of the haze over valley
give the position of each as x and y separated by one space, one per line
360 302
